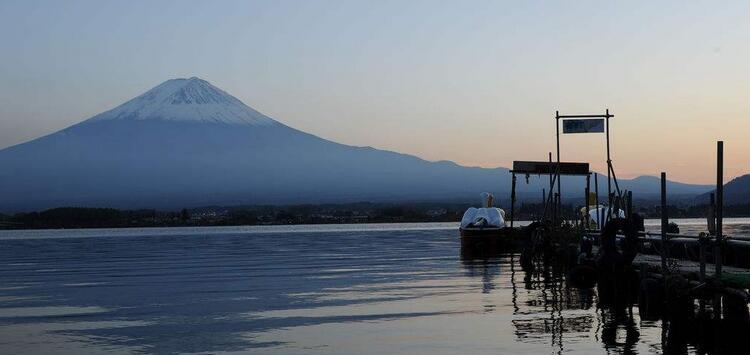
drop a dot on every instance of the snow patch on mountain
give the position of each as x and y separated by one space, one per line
192 100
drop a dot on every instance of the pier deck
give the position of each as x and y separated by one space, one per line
734 276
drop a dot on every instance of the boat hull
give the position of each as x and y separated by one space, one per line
485 242
472 233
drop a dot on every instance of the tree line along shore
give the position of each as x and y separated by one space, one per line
82 217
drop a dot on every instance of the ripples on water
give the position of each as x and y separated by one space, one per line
345 290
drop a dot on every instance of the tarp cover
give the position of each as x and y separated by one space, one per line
483 218
603 213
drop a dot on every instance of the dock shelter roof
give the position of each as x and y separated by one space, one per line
549 168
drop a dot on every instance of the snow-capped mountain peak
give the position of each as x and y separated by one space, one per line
192 100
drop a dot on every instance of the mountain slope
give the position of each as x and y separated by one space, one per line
187 143
651 185
186 100
736 191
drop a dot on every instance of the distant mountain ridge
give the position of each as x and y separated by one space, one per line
651 185
187 143
736 191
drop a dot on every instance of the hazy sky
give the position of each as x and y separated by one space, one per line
473 82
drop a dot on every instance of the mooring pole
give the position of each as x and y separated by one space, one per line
664 224
630 205
609 167
711 231
550 175
558 212
719 205
598 210
711 214
559 181
702 242
551 188
586 201
719 210
513 200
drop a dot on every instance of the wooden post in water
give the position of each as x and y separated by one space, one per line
554 207
719 205
630 205
596 193
550 175
586 202
711 232
718 248
609 168
513 200
664 224
559 179
711 214
552 181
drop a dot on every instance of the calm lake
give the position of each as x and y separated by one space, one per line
353 289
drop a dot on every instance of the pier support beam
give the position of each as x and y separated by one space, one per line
719 205
513 200
551 186
559 181
630 205
609 168
586 202
598 211
719 210
664 225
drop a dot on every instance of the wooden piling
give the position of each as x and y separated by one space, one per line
712 214
551 194
513 200
554 207
596 193
703 243
586 202
559 178
550 175
719 203
719 245
609 166
702 268
630 206
664 224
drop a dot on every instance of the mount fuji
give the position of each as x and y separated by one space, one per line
187 143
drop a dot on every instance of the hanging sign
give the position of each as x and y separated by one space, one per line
548 168
595 125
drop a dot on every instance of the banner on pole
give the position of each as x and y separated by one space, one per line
595 125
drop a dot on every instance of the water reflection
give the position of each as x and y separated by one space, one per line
413 291
548 310
552 309
619 332
545 310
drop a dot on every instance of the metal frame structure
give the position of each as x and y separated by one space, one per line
553 170
611 176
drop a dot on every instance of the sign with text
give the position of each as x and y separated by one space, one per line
595 125
549 168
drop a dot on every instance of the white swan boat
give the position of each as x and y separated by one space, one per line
485 221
